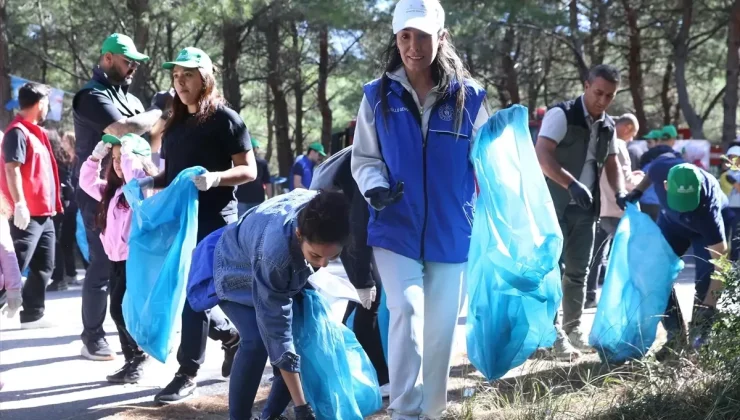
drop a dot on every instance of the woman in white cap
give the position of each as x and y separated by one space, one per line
410 160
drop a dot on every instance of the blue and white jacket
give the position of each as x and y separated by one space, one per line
421 146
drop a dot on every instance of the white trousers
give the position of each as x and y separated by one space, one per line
424 301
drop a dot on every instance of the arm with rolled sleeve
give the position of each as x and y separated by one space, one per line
274 308
368 168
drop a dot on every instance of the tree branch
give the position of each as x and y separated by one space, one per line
712 104
49 62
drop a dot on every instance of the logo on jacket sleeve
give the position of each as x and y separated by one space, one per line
446 112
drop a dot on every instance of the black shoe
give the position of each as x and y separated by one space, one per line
57 286
229 353
590 304
131 371
180 389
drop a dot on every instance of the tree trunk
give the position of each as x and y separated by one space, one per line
323 101
665 91
140 12
681 52
231 32
44 41
577 42
5 91
634 59
298 91
598 39
729 125
511 79
280 103
270 123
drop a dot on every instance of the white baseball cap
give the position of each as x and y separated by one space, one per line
733 151
424 15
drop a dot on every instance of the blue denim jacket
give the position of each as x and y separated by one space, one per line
258 262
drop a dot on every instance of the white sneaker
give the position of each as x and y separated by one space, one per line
385 391
563 349
579 340
44 322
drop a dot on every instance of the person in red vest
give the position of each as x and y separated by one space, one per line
31 185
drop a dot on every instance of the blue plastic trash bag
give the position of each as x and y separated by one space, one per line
81 237
163 235
513 273
642 269
338 379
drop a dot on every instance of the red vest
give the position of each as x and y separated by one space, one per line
37 187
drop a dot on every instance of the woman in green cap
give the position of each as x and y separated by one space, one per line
204 131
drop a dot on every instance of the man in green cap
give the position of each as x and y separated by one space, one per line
302 171
253 193
665 142
104 106
695 212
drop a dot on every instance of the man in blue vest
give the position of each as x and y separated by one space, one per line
576 142
302 171
104 106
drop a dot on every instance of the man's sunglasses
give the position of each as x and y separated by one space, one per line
130 63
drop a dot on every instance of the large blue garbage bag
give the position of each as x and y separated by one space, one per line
513 273
642 269
81 237
163 235
338 379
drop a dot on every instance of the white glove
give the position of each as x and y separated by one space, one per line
101 150
207 180
367 296
21 216
14 303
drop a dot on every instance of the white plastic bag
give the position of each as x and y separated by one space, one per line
335 289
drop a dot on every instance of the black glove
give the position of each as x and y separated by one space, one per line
381 197
581 195
633 197
163 100
304 412
621 199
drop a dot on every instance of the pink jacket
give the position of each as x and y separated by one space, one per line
10 274
609 207
118 220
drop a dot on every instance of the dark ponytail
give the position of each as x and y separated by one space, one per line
325 219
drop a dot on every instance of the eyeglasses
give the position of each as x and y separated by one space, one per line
130 63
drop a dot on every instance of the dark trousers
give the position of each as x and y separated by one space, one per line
117 290
249 365
65 226
34 248
652 210
198 326
367 330
95 287
578 226
605 230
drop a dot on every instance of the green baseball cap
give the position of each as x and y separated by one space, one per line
669 132
124 45
191 58
652 135
317 147
139 146
255 144
684 188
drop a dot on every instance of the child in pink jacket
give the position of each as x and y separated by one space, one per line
131 160
10 274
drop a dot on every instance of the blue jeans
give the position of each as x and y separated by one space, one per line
249 364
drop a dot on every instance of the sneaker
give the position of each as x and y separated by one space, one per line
180 389
385 391
579 340
43 322
72 281
98 351
590 304
229 353
563 349
131 371
57 286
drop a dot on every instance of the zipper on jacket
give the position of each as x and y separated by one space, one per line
426 198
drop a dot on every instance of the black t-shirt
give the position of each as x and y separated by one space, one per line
209 144
14 150
254 192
